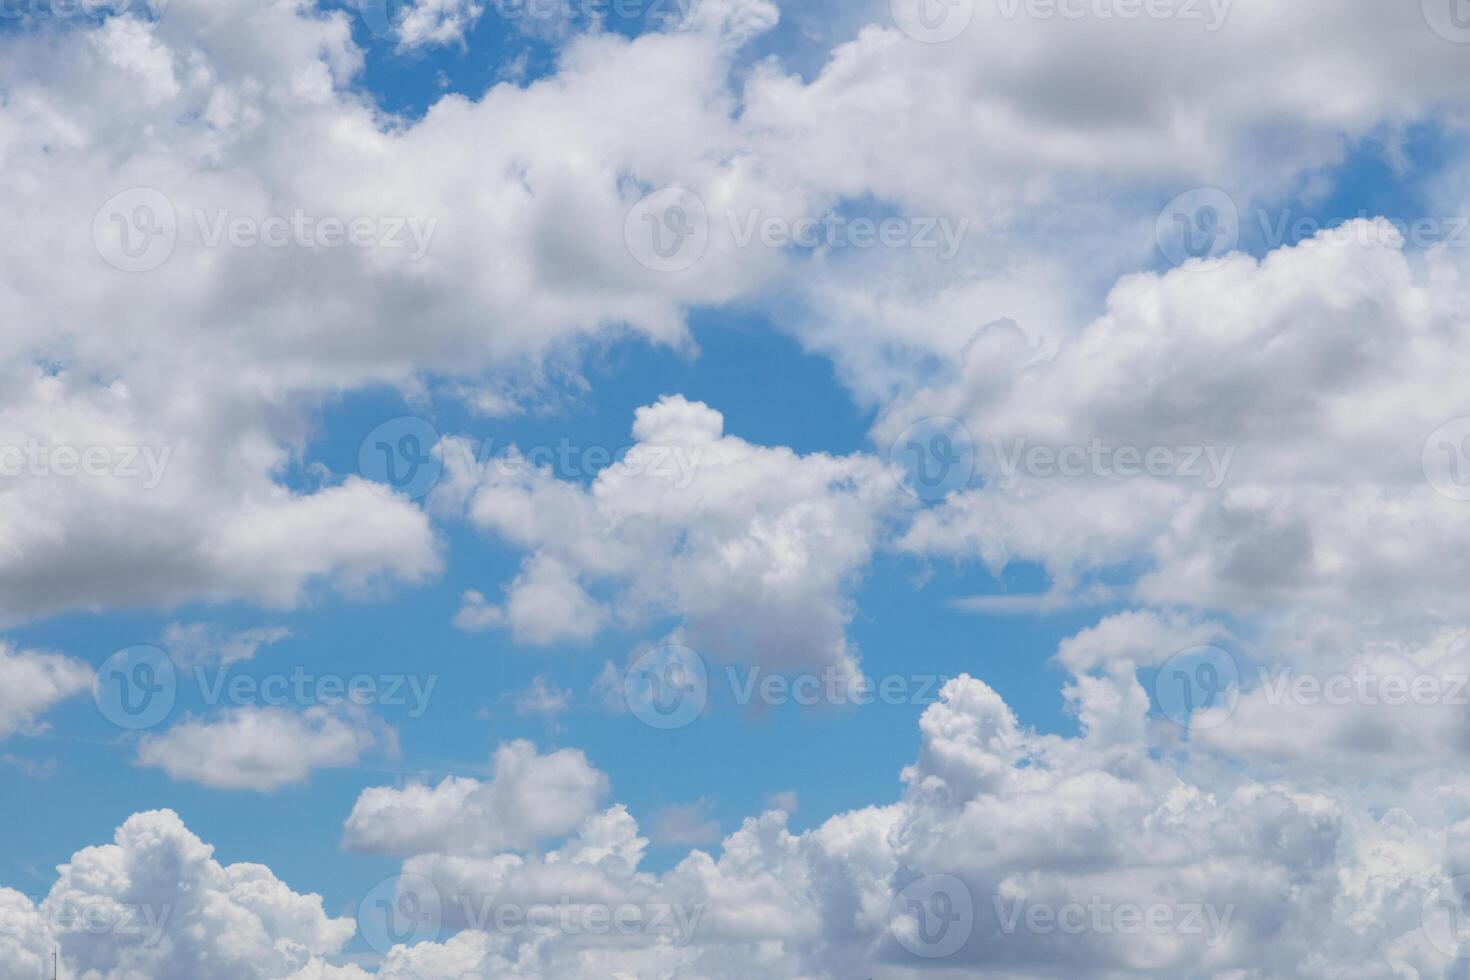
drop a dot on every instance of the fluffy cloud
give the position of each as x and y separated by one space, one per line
156 903
234 110
1144 857
31 682
263 748
754 549
530 798
1293 398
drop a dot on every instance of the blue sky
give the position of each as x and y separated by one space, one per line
1331 375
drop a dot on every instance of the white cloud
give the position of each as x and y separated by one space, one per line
263 748
156 903
754 549
198 643
531 797
31 682
685 823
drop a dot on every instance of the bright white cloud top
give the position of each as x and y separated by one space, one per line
215 232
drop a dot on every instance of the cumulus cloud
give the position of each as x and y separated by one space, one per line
31 682
156 903
263 748
755 549
1262 870
1308 383
530 797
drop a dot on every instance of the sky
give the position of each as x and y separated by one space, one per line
672 489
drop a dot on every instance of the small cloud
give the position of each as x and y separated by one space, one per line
685 823
190 644
543 698
784 801
476 614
